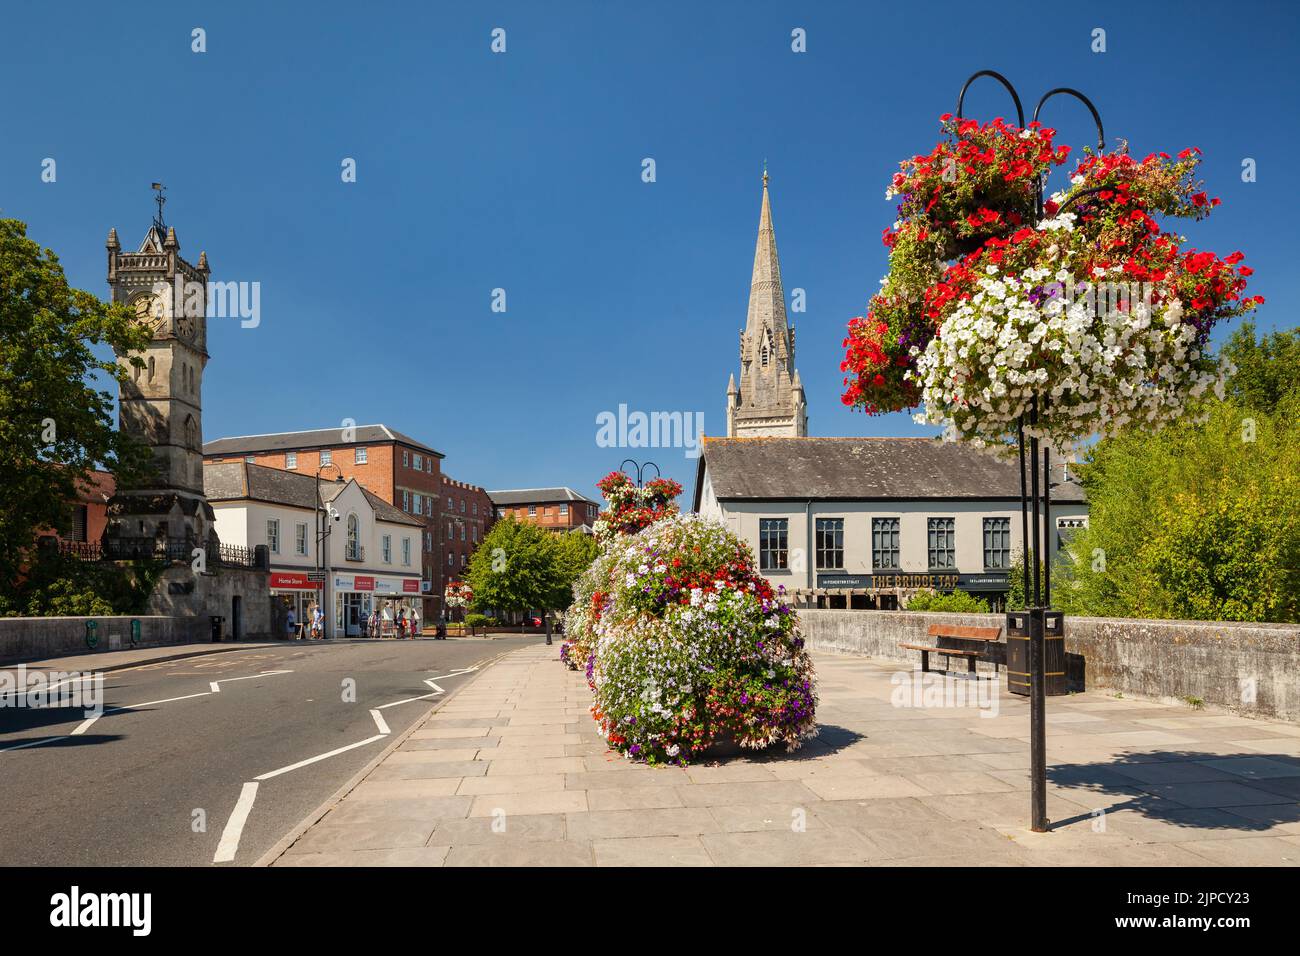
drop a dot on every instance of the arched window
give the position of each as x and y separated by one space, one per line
151 369
191 432
354 539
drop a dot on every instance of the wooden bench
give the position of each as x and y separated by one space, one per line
958 640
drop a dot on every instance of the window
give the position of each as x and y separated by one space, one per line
386 546
354 539
428 506
428 542
772 553
251 459
450 533
997 543
300 538
327 457
273 535
360 456
406 501
473 533
564 510
417 462
474 509
591 511
291 460
462 505
532 511
406 458
942 552
419 504
884 544
501 512
830 543
462 532
449 557
462 561
428 464
406 551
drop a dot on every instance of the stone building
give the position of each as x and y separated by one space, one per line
161 403
867 522
770 399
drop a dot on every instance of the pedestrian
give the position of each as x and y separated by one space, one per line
290 625
415 623
373 623
386 621
317 622
401 623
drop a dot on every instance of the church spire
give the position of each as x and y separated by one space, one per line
766 297
770 399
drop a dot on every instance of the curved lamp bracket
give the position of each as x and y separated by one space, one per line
1020 112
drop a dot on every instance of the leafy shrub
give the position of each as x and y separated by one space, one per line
958 602
478 620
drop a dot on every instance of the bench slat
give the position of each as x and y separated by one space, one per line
965 632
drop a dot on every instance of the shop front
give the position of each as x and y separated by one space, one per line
359 596
295 593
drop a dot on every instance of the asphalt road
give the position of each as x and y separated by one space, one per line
160 784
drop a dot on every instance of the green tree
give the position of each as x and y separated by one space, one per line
1200 520
957 602
56 425
520 567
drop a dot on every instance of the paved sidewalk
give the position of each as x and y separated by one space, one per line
512 772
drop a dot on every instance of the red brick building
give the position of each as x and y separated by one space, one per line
466 516
556 509
402 471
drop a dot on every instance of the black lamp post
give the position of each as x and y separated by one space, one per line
640 470
323 530
1033 625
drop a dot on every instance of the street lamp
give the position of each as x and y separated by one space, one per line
323 530
640 468
1032 625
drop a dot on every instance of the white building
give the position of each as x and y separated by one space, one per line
371 559
866 522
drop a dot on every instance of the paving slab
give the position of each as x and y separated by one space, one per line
513 772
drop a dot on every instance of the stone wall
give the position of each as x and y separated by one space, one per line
39 638
1253 669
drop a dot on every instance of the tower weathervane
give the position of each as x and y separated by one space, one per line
161 200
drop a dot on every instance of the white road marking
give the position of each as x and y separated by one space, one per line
85 724
235 825
227 680
406 701
319 757
379 722
32 743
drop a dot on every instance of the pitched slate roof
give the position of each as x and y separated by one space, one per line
312 438
844 469
240 480
525 496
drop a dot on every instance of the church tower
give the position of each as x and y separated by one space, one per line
161 403
770 400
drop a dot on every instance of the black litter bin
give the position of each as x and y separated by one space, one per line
1019 633
216 627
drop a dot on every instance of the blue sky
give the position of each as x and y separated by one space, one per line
522 171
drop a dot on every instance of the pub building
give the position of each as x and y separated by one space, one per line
865 523
371 560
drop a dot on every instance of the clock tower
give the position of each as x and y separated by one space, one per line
161 403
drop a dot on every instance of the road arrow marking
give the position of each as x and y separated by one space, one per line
319 757
227 680
379 722
235 825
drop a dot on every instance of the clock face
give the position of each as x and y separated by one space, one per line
151 310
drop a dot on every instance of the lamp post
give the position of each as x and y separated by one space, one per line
323 530
1033 624
640 469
